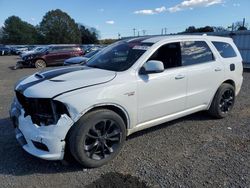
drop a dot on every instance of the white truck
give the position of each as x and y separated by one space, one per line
129 86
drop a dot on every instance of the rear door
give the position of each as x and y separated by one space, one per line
55 55
205 73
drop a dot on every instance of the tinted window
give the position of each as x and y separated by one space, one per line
224 49
63 48
195 52
169 54
55 49
66 48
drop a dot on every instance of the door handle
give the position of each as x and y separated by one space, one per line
217 69
178 77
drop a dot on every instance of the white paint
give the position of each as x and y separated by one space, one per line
52 136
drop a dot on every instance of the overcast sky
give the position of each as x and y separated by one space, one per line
111 17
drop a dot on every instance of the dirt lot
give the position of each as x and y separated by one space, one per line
195 151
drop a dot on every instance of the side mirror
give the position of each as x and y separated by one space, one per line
152 66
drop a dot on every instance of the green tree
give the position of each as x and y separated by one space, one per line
58 27
240 26
88 36
219 29
1 34
16 31
205 29
190 29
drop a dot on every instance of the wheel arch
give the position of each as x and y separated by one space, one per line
228 81
113 107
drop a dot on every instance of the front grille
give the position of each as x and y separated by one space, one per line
43 111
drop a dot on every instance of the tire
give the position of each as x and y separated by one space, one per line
223 101
97 138
40 64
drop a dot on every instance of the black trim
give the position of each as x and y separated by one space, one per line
232 67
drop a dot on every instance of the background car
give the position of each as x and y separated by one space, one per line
80 59
4 50
16 50
33 50
52 55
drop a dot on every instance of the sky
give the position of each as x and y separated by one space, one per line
113 17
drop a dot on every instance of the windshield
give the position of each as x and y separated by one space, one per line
44 49
37 49
90 54
119 56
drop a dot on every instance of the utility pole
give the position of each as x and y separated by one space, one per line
162 31
138 33
134 31
243 23
144 32
165 30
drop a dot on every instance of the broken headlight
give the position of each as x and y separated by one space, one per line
43 111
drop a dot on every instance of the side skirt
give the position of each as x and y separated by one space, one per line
164 119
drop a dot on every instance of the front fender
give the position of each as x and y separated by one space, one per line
79 102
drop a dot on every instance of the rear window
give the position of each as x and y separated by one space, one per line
225 49
196 52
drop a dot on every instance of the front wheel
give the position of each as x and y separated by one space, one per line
223 101
40 64
97 138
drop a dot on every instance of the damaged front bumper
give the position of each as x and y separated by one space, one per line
46 142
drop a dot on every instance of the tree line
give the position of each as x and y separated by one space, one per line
56 27
237 26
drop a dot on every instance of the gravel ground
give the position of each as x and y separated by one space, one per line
194 151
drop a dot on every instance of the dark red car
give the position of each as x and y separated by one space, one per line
52 55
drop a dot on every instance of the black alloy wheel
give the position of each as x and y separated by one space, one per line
227 100
102 139
97 137
223 101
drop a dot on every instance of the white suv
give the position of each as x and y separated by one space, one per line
129 86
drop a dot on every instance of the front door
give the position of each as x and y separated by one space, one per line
162 94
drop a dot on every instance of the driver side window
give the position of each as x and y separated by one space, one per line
169 54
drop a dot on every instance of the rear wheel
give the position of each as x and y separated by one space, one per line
223 101
97 138
39 64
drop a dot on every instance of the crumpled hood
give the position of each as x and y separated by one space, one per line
50 84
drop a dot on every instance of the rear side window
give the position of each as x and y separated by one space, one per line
195 52
225 49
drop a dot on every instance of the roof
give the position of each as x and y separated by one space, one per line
156 39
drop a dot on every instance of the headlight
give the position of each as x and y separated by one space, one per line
42 111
